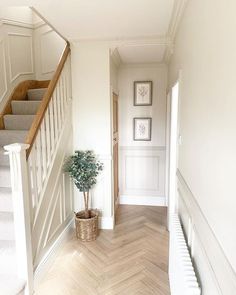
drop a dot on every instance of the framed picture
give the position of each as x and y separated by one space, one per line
142 129
143 93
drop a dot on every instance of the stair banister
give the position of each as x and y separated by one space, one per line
46 100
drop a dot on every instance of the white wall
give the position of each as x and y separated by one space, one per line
205 50
48 48
92 117
145 184
29 49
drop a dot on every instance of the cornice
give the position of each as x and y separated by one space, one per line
115 56
177 13
5 21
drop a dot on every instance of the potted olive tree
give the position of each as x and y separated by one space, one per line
83 168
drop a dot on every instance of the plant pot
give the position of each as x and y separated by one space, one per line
86 229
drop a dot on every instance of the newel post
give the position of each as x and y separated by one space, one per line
21 209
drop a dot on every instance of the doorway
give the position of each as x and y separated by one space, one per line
172 142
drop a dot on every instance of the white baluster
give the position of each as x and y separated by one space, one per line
58 95
44 149
48 139
63 103
34 183
54 100
38 163
52 126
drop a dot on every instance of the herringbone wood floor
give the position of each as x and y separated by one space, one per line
132 259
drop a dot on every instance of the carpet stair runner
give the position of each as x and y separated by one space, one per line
16 129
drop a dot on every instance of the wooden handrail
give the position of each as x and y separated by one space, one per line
45 101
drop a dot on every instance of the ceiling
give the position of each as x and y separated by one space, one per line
142 53
107 19
146 22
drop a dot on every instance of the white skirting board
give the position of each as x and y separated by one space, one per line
106 222
141 200
49 258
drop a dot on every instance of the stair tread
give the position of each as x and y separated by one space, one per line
18 122
11 285
36 94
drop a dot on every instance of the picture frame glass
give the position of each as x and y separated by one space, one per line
142 129
142 93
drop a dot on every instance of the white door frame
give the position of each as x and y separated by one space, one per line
172 142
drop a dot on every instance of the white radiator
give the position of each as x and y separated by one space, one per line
182 276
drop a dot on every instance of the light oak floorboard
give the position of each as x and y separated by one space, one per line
131 260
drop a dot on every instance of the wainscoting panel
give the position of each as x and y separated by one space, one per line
142 175
16 57
20 55
215 273
48 49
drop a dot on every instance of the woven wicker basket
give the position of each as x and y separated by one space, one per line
86 229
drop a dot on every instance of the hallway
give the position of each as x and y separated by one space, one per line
132 259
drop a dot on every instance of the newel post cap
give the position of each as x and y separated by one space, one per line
16 147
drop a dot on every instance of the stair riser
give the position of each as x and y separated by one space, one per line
8 265
6 204
4 160
25 107
18 122
11 136
7 231
5 177
36 94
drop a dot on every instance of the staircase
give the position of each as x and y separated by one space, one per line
17 125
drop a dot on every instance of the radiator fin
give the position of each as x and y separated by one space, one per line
183 280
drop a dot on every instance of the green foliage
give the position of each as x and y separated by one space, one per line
83 168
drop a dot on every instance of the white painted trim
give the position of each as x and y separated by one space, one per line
4 70
168 118
31 55
178 10
50 256
127 41
106 222
142 148
39 24
115 56
143 65
144 201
